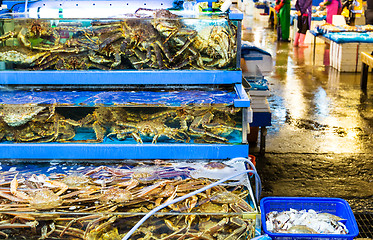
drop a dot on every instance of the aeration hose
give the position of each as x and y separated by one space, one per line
166 204
258 183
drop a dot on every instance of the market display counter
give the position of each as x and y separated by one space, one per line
346 48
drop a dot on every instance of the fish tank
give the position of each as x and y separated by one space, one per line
122 115
151 199
144 39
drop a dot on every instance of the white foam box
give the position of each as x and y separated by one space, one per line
348 57
331 54
257 12
259 93
255 103
345 57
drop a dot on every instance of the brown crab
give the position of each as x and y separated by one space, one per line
34 123
213 47
23 57
35 31
104 120
75 61
18 114
179 37
207 124
133 37
153 129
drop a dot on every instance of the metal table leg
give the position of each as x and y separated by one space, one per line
364 76
314 48
263 134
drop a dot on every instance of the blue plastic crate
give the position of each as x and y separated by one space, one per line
334 206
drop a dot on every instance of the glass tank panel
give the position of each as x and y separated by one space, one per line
91 200
123 116
137 41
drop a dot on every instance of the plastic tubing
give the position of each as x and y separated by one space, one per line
26 6
258 183
166 204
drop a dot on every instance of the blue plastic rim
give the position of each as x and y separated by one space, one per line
336 206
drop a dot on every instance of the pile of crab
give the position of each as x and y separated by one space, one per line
36 123
106 202
147 39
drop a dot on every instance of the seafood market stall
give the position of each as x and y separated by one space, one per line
346 44
125 126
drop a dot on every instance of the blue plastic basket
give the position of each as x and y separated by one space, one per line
334 206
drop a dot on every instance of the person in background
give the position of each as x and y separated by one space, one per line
304 11
283 24
332 7
369 12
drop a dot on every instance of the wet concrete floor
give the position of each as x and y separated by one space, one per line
320 143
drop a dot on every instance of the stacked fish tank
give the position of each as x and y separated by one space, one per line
123 127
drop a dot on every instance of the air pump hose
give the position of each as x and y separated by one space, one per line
258 183
26 7
166 204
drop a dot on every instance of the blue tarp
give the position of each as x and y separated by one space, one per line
344 36
348 37
247 48
258 84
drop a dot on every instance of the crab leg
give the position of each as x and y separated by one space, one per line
15 225
129 184
72 232
105 224
44 231
94 222
7 36
189 40
171 226
11 198
15 192
136 137
4 235
61 185
144 191
89 217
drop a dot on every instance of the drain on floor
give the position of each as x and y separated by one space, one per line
365 224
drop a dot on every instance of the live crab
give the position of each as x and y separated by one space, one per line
35 123
42 205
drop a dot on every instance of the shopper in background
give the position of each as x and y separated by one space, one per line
369 12
283 24
304 11
332 8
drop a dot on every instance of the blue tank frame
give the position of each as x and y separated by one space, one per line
125 151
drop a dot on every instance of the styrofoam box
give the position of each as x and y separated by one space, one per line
345 57
257 12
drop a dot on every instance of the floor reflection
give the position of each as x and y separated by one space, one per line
307 94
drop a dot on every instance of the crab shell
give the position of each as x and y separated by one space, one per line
16 115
